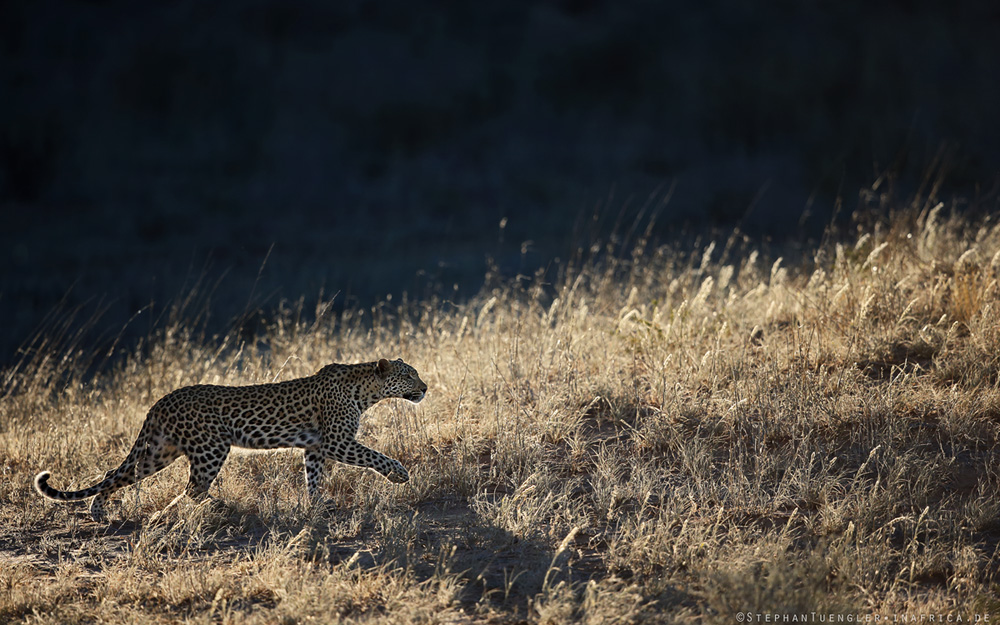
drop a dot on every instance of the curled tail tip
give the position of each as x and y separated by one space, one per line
41 481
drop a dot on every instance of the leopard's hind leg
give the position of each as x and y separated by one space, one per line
153 456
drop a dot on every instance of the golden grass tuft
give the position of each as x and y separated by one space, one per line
667 436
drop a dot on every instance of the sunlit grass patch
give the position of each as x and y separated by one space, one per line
650 435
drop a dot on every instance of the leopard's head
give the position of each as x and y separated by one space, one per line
400 380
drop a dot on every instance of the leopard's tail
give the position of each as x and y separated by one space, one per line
43 488
113 479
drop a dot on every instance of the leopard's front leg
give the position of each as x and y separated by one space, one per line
315 472
354 453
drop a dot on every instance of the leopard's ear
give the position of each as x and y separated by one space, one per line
382 367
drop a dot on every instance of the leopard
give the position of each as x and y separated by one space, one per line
319 414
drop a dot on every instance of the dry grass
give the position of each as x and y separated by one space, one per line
665 437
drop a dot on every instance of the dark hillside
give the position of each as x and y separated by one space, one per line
369 148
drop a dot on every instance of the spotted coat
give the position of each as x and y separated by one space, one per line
319 414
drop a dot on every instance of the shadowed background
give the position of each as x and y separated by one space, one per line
266 150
